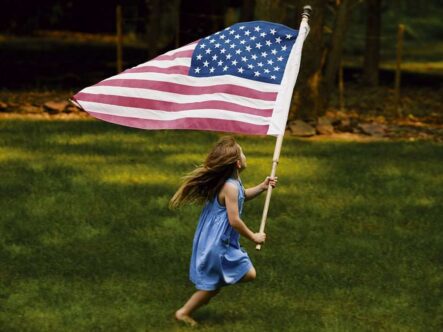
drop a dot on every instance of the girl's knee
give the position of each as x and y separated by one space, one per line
250 275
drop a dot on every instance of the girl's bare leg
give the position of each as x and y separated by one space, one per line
250 275
202 297
197 299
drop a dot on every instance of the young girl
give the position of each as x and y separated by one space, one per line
217 258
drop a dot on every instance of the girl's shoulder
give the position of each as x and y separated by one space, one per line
237 183
232 180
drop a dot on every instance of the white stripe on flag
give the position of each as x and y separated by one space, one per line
198 81
161 115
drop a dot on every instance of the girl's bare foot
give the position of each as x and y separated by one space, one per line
180 316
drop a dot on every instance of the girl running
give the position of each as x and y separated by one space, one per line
217 258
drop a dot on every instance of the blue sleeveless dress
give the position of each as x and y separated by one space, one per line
217 258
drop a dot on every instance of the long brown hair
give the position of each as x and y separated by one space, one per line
206 180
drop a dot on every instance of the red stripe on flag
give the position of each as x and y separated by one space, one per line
183 70
186 123
190 90
181 54
168 106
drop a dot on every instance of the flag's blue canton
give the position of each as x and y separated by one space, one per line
256 50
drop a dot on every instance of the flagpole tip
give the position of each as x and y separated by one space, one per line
307 11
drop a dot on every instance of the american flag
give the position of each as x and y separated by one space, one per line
237 80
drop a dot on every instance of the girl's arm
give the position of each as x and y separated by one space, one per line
231 202
250 193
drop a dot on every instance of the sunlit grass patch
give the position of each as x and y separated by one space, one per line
8 154
125 174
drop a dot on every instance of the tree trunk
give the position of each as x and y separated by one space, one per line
372 53
247 13
336 47
307 103
153 26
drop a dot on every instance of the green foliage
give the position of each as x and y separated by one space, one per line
87 242
423 34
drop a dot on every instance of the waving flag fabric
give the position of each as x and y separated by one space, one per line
237 80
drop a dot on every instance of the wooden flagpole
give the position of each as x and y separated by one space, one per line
305 17
277 150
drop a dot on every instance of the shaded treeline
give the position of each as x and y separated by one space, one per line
163 25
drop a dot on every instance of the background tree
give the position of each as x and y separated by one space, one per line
248 10
152 26
343 10
161 25
307 102
270 10
372 49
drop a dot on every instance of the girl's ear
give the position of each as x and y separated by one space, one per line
238 164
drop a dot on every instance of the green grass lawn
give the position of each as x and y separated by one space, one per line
87 242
